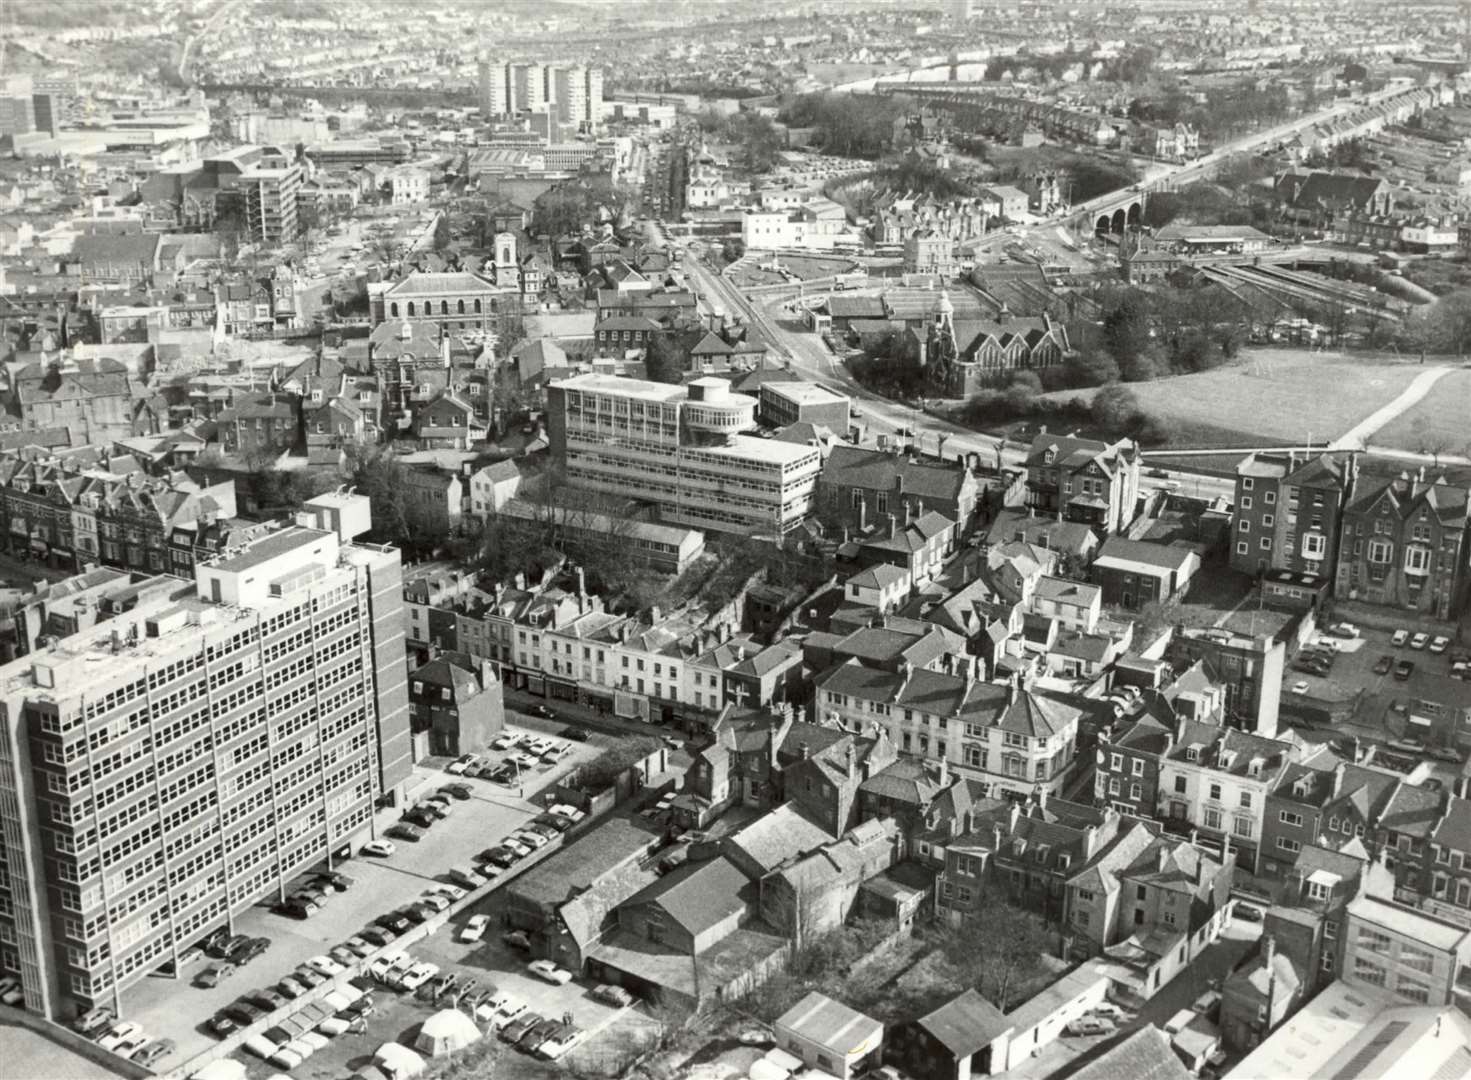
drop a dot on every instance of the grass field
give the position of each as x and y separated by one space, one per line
1272 396
1439 422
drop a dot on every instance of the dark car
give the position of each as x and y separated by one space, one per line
405 831
343 955
269 1000
1383 664
558 822
291 987
330 879
518 1027
422 819
1404 669
1247 913
576 734
243 1013
394 921
538 1034
220 948
505 776
377 935
456 791
213 939
221 1026
253 950
310 976
418 913
503 857
297 908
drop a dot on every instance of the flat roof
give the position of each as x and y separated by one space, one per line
618 386
750 448
804 393
292 538
1315 1033
1415 925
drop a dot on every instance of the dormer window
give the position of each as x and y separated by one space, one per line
1255 768
1048 457
1192 753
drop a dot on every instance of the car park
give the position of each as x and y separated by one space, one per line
1439 643
550 972
1419 640
474 930
381 848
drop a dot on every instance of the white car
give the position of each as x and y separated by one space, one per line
546 969
325 965
419 974
384 966
381 848
457 766
535 841
121 1033
475 929
1420 640
567 810
505 742
521 850
454 892
1438 643
565 1039
1299 687
437 900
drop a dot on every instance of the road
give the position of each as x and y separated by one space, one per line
209 24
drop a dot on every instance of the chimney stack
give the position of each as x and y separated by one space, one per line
893 526
944 772
852 762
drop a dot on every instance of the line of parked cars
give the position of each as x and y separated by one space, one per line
524 752
421 817
311 896
126 1038
296 1038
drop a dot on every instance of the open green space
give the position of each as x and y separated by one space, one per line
1436 424
1270 396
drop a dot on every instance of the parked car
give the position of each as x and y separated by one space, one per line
555 822
1419 640
292 987
418 913
1383 664
1207 1003
418 975
517 939
515 844
456 791
458 765
308 975
1399 638
333 880
474 930
395 921
154 1051
1439 643
297 908
342 956
1403 670
1247 912
537 1034
437 901
93 1020
268 1000
377 935
576 734
325 966
437 811
504 741
417 818
214 974
358 946
220 1026
254 949
382 965
560 1041
243 1012
454 892
550 972
501 856
612 995
532 839
1344 630
518 1027
406 831
1089 1026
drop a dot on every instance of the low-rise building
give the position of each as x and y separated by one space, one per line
455 705
828 1036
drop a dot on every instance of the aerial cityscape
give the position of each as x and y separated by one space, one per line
735 540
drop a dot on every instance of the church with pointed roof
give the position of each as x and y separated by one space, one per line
963 356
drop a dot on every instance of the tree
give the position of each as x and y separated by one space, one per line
1114 407
348 294
1126 333
442 236
997 948
666 359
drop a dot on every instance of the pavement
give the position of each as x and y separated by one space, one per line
174 1008
31 1056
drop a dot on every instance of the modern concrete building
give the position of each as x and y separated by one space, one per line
171 764
681 448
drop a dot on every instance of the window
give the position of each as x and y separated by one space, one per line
1413 989
1266 543
1373 941
1245 827
1213 819
1417 559
1267 520
1314 544
1179 785
1318 891
1244 526
1242 547
1246 502
1379 551
1116 762
1330 930
1137 767
1269 497
1247 483
1246 800
1291 847
1370 972
1287 817
1215 792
